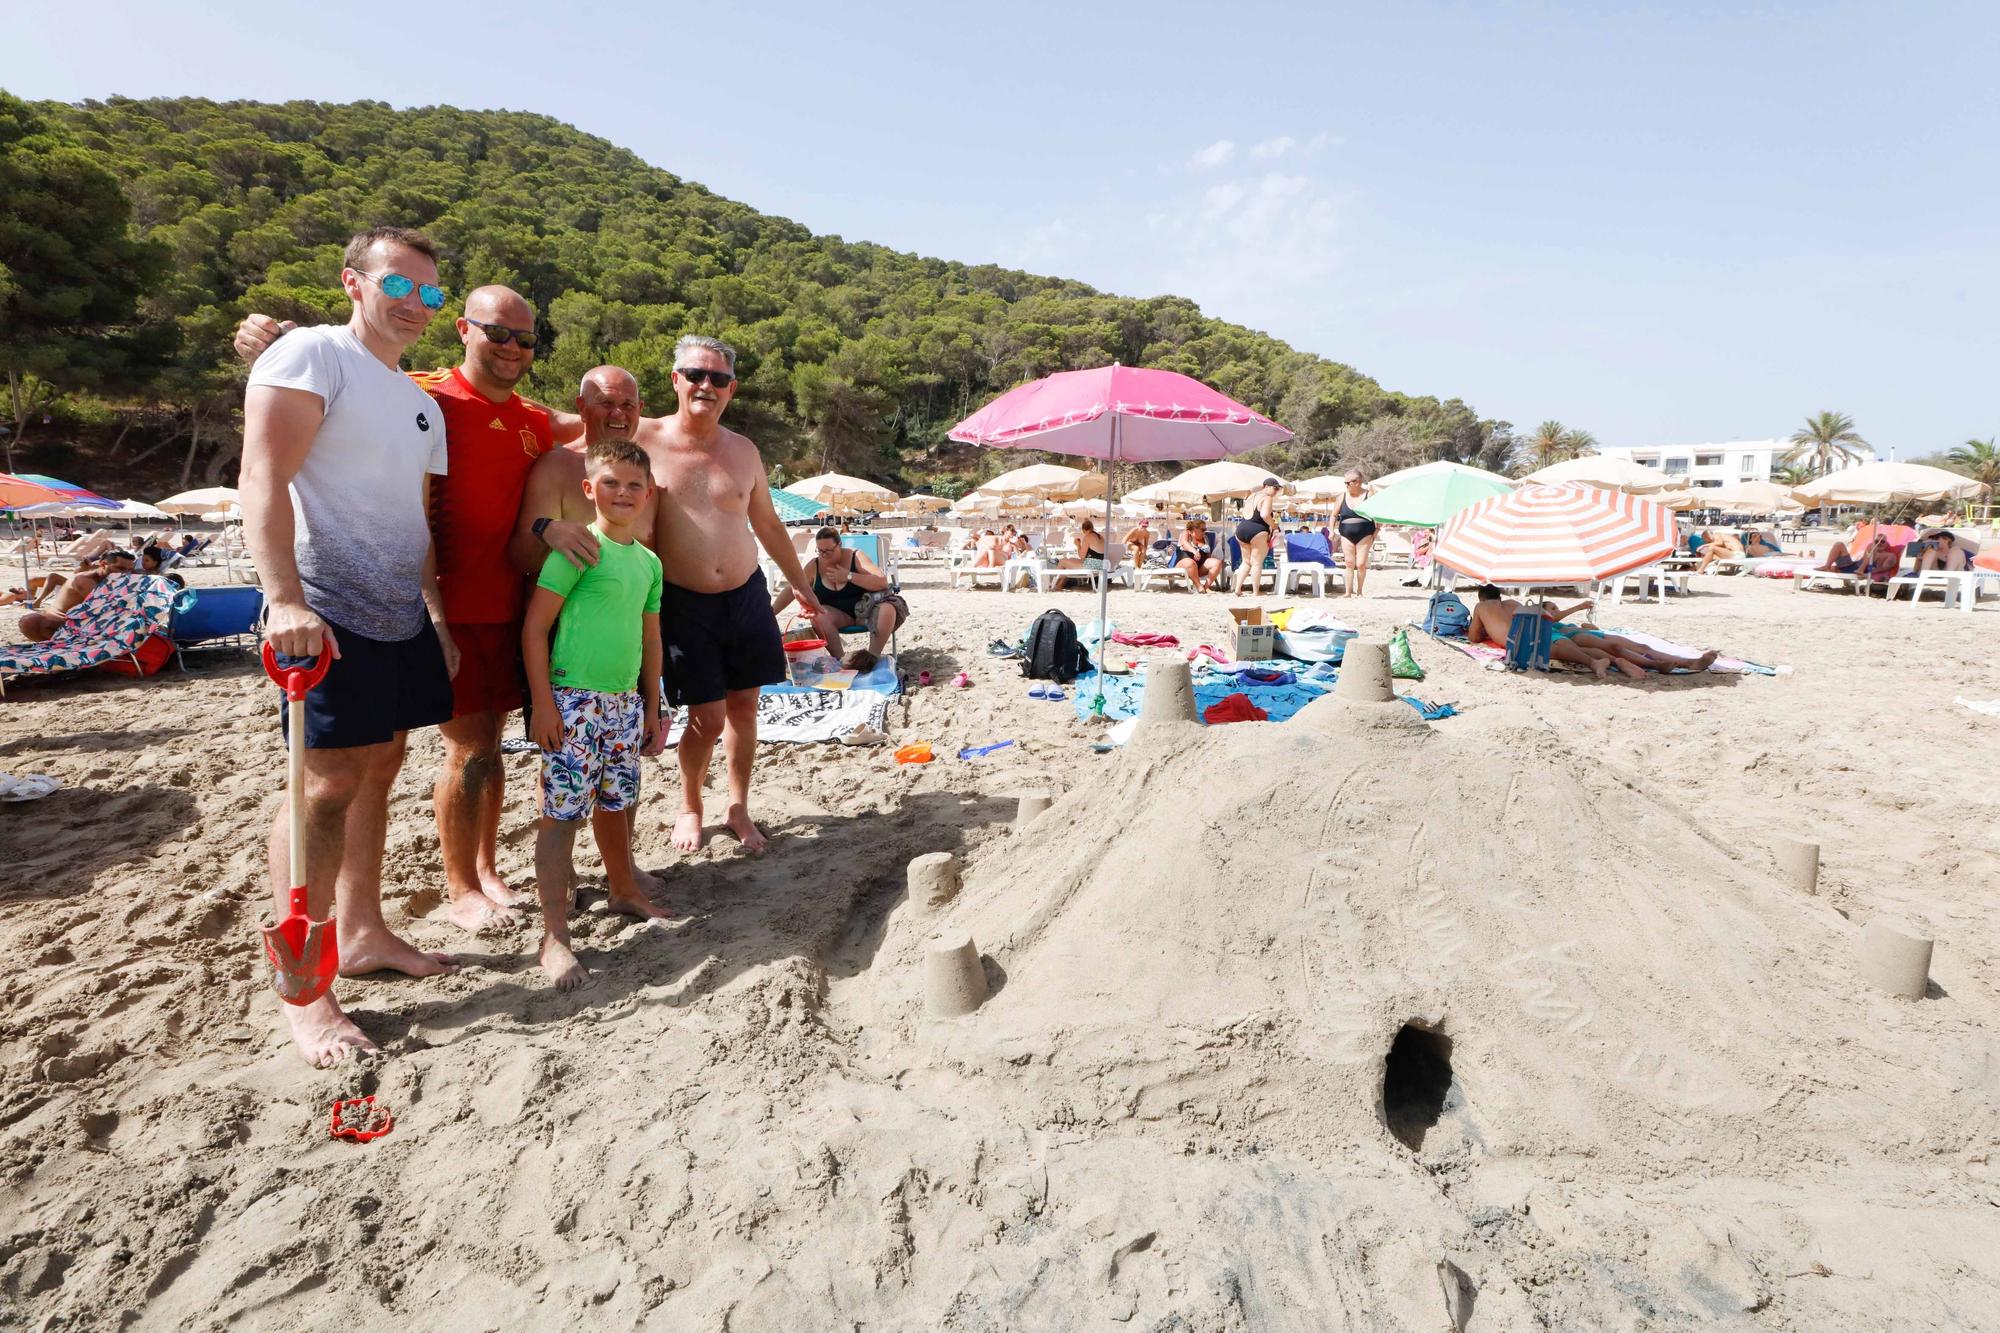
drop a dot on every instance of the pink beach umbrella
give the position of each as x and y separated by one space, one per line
1121 414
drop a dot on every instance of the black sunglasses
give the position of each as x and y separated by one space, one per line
721 379
500 333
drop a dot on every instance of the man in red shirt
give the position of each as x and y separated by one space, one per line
492 438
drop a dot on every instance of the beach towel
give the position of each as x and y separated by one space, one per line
1144 639
119 616
1233 708
1728 666
795 716
1990 707
1279 703
1313 644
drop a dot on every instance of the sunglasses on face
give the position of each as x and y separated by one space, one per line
500 333
721 379
396 286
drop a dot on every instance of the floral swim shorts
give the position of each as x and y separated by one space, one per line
598 764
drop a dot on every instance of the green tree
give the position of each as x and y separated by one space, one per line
70 273
1825 439
1554 442
1791 474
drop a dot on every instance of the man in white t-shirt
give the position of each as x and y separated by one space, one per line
338 451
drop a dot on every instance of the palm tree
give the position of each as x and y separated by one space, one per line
1791 474
1554 442
1980 460
1825 439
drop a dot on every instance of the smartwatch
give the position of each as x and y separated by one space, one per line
541 527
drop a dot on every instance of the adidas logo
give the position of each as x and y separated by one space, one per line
498 424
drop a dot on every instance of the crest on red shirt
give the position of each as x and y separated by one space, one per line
531 445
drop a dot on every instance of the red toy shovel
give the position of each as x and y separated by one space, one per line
302 951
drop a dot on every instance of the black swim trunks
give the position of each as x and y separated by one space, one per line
719 641
374 689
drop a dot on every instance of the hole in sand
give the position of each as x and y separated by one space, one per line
1416 1077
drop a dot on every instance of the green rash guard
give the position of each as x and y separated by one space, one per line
600 636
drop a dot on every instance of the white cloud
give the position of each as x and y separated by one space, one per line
1272 149
1318 141
1213 156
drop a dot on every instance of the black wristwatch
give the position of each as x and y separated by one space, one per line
541 529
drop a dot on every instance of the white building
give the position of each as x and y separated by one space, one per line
1715 464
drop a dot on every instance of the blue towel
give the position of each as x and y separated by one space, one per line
1123 694
880 680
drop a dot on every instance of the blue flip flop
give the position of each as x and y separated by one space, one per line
1038 691
1055 694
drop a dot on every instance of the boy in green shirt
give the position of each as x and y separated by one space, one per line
596 696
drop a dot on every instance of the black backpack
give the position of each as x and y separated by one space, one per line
1052 651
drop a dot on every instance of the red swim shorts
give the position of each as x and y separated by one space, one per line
489 669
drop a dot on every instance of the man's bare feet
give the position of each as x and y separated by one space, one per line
476 913
324 1035
386 952
649 884
747 833
688 833
496 889
561 965
642 906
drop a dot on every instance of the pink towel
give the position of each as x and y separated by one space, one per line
1145 639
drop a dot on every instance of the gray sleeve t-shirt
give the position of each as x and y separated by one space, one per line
358 502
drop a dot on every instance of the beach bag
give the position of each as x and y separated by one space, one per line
1447 617
1052 650
1403 662
148 659
1531 638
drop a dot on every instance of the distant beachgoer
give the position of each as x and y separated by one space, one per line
1194 558
989 556
1762 544
1253 534
850 590
1944 552
57 601
1138 541
1717 546
1580 645
1357 533
1089 549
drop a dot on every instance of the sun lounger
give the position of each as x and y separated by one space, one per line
204 617
115 623
1295 569
1960 587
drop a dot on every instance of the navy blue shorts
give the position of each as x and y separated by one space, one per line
717 642
374 689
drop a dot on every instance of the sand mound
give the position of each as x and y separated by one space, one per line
1466 960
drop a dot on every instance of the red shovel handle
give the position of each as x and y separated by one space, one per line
296 680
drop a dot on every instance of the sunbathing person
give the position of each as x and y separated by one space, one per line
990 555
39 626
37 590
1089 549
1943 551
1193 557
1137 542
1761 544
1717 546
1578 645
88 548
1840 561
1884 561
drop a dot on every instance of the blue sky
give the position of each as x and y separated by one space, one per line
1666 223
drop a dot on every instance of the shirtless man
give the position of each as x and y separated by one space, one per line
721 638
556 516
40 625
1579 645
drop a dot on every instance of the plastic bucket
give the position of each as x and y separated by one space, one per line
806 660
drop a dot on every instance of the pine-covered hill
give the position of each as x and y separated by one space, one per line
855 357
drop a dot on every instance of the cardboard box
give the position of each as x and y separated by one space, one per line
1256 643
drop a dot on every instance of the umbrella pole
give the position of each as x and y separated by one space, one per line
1104 576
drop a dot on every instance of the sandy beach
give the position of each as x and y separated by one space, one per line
1673 1100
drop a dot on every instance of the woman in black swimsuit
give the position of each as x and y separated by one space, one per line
1253 534
850 591
1357 534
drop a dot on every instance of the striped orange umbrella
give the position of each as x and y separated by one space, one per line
1555 534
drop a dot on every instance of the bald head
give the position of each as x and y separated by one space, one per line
608 402
492 314
499 305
